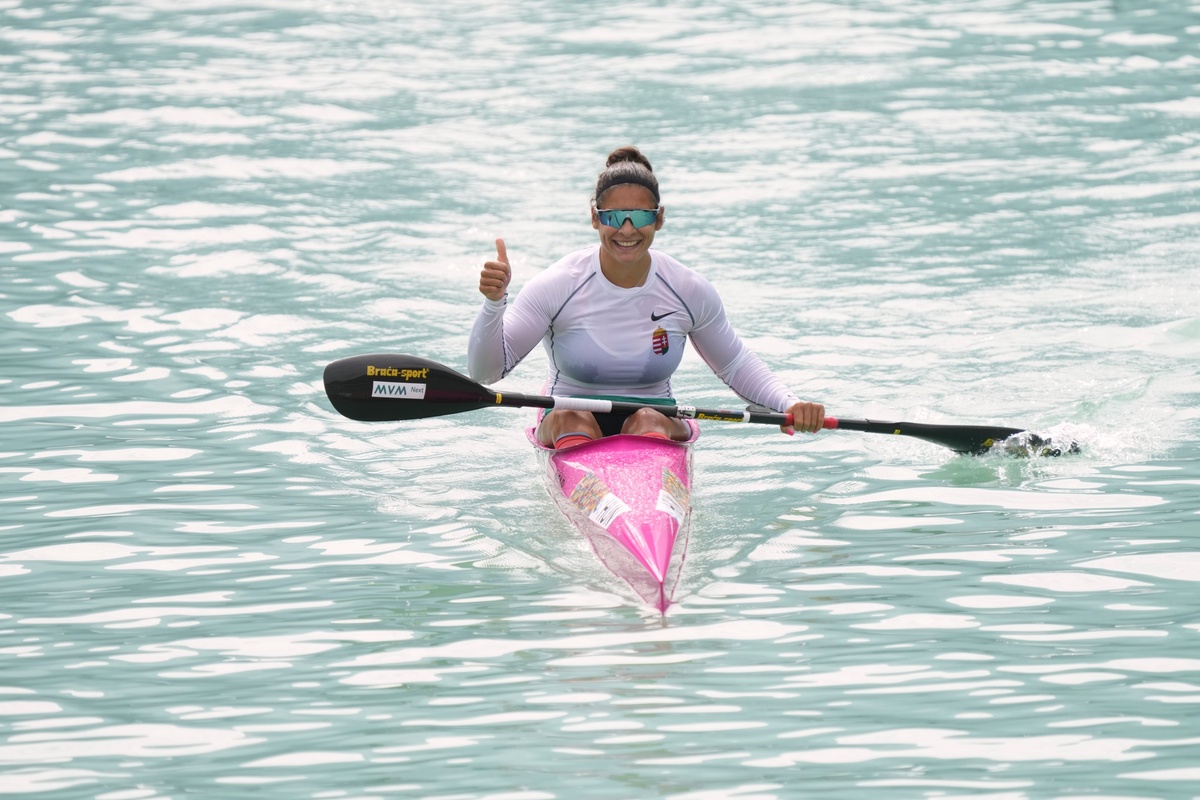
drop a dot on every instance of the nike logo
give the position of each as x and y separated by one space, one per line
656 317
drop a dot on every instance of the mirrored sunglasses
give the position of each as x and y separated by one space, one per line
615 217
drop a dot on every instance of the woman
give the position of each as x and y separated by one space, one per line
614 319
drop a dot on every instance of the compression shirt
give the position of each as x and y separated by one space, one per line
602 339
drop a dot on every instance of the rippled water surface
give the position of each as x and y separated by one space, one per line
213 585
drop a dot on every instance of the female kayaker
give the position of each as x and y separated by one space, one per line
614 318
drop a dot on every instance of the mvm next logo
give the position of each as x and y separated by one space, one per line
398 391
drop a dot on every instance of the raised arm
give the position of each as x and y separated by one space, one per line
502 335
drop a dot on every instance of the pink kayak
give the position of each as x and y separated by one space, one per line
630 497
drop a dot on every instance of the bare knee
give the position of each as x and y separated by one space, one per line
563 422
647 420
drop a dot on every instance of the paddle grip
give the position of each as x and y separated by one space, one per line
829 424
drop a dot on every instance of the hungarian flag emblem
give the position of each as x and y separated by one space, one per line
660 341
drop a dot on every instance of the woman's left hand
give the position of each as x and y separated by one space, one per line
809 417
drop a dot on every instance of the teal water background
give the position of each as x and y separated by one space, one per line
944 211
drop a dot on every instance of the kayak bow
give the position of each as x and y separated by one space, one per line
630 498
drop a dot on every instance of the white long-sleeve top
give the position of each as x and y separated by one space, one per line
603 339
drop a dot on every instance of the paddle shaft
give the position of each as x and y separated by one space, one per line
516 400
963 438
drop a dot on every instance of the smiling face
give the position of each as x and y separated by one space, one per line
625 251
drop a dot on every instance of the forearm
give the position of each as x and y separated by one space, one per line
488 357
738 366
752 380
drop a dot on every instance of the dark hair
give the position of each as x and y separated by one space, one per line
626 165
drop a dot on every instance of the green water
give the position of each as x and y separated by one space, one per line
212 585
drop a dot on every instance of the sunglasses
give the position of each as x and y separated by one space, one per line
615 217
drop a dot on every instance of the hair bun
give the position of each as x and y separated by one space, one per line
626 165
628 153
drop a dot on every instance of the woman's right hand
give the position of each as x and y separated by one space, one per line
808 417
493 280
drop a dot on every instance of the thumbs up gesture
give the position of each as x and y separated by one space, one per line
493 280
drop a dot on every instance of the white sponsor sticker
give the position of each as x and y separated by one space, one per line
674 497
398 391
607 510
592 496
671 506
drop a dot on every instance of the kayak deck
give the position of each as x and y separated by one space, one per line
630 497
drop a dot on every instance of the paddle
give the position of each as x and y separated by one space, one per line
385 387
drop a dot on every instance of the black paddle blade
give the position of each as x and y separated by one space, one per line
390 388
973 439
